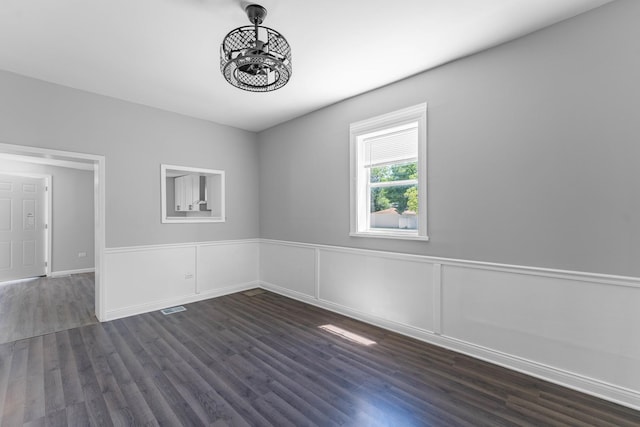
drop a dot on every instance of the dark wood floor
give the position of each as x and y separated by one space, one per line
42 305
263 360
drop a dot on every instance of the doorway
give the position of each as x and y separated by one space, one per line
96 163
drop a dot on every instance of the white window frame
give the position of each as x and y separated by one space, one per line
360 198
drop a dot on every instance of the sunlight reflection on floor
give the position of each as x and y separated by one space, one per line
346 334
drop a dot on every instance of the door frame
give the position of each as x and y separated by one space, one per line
91 161
47 213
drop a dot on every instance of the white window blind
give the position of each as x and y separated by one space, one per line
392 147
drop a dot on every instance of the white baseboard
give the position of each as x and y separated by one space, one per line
622 396
187 299
62 273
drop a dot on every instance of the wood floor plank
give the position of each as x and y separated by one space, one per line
94 398
274 416
15 396
197 325
378 372
287 411
141 344
143 381
71 387
53 390
118 407
38 422
215 371
34 393
314 351
78 416
334 401
291 387
412 398
305 404
56 418
185 374
6 358
177 390
120 377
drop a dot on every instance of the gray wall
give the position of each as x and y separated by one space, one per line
534 151
71 211
135 140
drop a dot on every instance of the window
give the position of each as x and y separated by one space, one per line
388 175
191 194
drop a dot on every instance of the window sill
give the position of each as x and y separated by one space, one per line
389 235
190 220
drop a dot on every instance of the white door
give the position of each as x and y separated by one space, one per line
22 227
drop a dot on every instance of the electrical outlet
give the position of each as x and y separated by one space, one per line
188 276
82 254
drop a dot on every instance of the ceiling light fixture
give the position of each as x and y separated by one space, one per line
257 59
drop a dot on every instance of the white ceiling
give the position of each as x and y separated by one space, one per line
165 53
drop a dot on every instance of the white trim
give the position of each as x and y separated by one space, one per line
191 221
97 162
437 298
48 182
227 242
122 249
63 273
316 275
99 206
187 299
196 286
45 161
345 249
384 234
26 174
393 183
608 279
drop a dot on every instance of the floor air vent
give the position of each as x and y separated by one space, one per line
173 310
254 292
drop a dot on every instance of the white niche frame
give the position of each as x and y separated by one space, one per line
215 195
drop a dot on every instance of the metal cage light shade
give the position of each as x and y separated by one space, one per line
255 58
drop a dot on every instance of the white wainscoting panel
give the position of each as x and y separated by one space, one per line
221 266
147 278
289 267
390 288
591 329
137 278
